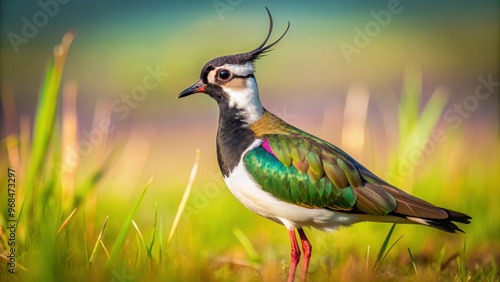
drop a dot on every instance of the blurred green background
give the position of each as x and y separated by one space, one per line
445 50
451 42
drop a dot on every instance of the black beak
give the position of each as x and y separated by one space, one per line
198 87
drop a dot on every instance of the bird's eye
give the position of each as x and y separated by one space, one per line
224 74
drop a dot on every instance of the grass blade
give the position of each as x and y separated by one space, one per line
462 269
94 250
367 259
423 127
440 259
123 232
413 262
247 245
21 210
138 253
45 115
161 241
185 197
139 233
390 248
410 101
384 245
85 237
382 253
66 222
415 125
104 248
150 249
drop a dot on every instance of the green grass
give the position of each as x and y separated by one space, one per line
84 233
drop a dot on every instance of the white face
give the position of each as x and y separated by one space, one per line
239 84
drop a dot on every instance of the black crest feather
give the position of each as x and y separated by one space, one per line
244 57
254 54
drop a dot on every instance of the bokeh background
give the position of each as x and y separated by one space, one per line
446 49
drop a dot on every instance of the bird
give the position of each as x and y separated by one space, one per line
296 179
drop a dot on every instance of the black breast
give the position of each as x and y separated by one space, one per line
233 138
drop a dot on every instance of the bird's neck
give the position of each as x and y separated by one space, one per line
245 101
234 136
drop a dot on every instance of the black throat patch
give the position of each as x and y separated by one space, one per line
233 138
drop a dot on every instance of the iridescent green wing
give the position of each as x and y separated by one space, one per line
301 169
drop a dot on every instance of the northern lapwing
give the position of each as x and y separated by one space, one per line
294 178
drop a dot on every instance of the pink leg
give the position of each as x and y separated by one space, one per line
307 249
294 254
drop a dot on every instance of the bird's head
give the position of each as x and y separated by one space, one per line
230 80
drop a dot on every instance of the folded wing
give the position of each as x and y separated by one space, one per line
302 169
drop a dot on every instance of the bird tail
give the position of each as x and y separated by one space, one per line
423 212
445 224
